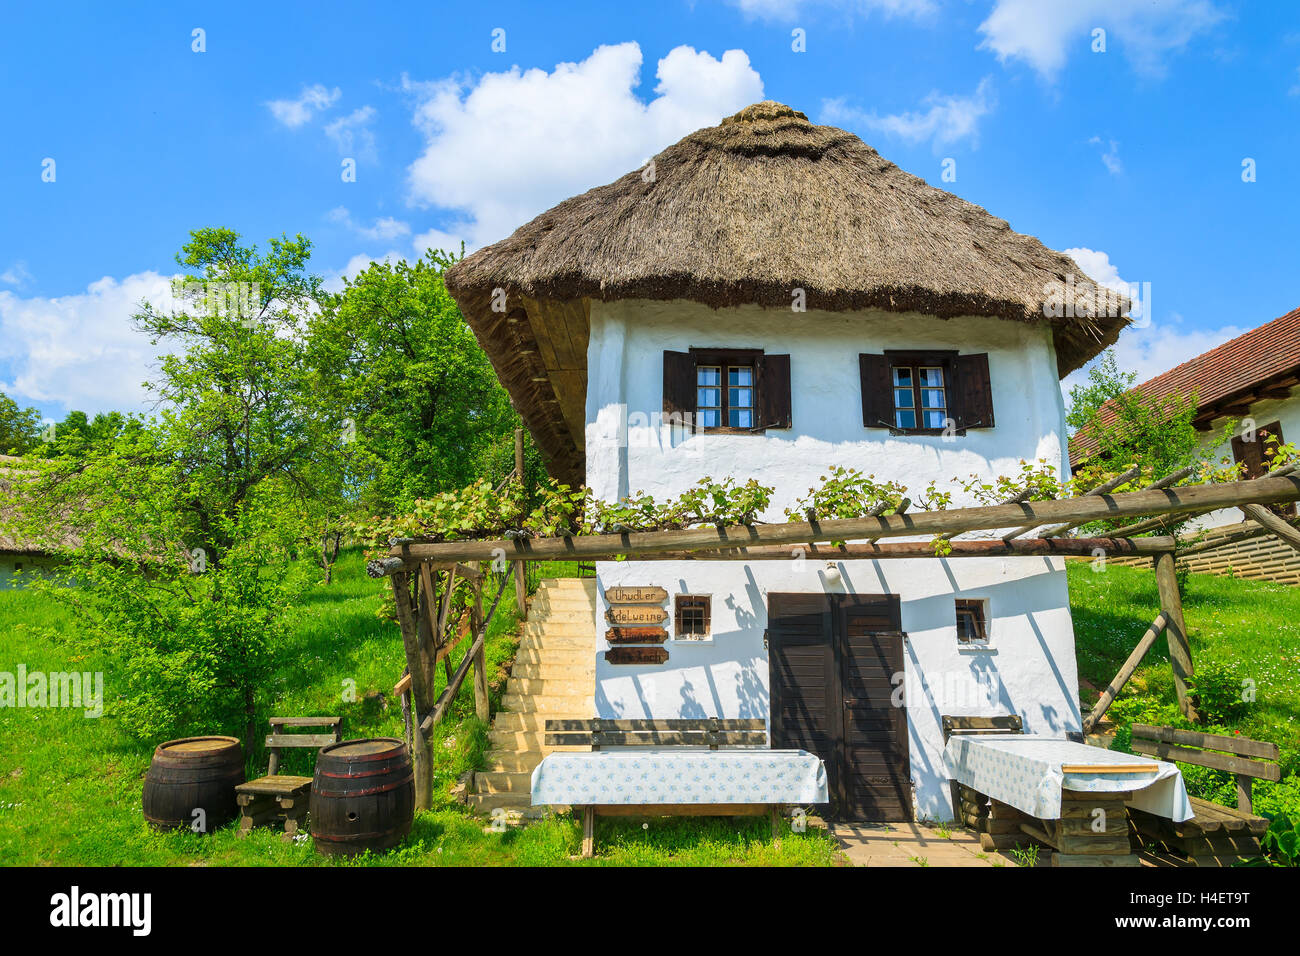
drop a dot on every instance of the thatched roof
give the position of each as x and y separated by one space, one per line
743 213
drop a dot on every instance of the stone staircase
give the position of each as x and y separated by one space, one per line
554 675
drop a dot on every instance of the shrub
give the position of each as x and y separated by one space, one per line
1218 685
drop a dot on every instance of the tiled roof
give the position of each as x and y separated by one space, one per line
1235 366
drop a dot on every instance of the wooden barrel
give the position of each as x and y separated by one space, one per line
362 796
191 774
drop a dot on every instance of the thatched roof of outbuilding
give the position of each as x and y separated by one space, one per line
743 213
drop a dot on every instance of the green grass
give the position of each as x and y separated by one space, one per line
1249 629
70 786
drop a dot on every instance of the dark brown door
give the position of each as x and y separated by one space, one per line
833 660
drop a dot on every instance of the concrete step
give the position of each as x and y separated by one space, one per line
524 741
513 761
490 781
584 670
559 642
534 687
535 722
549 706
582 616
557 656
568 584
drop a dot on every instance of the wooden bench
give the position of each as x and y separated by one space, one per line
996 824
283 796
711 732
1216 835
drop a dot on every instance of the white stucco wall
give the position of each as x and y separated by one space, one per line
1029 667
16 569
1285 412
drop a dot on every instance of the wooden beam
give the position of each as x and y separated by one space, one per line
421 695
1274 490
1180 652
991 548
1152 524
1101 489
1266 519
1126 671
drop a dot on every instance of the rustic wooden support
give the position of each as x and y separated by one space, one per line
1101 489
1160 523
421 689
521 581
1126 671
481 704
1171 479
1180 652
1266 519
1274 490
440 639
449 692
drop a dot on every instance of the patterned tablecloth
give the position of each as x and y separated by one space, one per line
1025 772
673 775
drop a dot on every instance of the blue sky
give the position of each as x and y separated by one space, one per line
1131 158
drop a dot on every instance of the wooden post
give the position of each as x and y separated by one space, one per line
1180 653
521 582
1266 519
421 692
1125 672
588 832
481 706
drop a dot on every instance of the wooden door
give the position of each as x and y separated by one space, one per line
877 782
832 661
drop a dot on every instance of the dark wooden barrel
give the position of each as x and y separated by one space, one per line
362 796
193 773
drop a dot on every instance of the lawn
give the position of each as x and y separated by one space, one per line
70 786
1246 634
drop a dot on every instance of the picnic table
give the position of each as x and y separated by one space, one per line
1069 795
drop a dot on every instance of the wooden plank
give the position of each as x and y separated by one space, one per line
1242 746
1275 490
636 655
736 738
636 595
304 721
1208 758
636 614
636 635
1110 768
1088 859
701 724
300 740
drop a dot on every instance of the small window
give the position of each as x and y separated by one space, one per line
972 627
920 397
724 405
692 617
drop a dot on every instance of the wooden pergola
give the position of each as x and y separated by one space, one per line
424 573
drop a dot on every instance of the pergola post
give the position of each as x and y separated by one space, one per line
1180 654
481 703
421 690
521 583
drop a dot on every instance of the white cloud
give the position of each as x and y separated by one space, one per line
448 240
945 119
1145 348
1109 157
789 9
382 229
81 350
352 133
16 275
509 146
294 113
1045 34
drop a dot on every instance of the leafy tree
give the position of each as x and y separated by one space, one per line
19 427
392 354
1154 432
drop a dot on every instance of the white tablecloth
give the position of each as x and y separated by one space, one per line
1025 772
673 775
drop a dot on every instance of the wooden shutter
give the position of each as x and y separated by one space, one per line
877 391
679 387
773 378
974 392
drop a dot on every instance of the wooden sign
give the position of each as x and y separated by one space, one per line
636 614
636 655
646 595
636 635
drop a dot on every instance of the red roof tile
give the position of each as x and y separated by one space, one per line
1235 366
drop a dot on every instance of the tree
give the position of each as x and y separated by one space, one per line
393 353
1129 427
19 427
